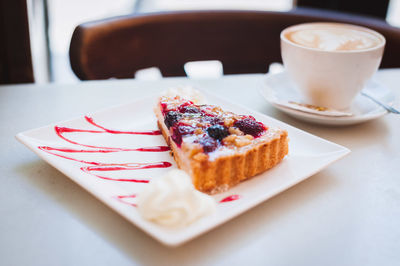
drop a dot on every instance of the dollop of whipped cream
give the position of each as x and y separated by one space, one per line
188 93
173 201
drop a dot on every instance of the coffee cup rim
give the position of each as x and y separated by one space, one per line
362 28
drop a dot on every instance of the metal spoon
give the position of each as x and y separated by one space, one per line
387 107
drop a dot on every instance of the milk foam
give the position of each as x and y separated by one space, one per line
334 38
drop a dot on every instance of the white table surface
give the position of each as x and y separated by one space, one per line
348 214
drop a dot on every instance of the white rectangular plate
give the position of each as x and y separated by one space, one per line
100 159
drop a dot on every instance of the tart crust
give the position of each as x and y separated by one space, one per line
217 173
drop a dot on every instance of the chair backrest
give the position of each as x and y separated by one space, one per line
15 47
244 41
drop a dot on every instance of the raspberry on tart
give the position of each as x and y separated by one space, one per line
218 149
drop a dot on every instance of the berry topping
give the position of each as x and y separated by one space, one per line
164 107
211 120
171 118
187 103
209 144
217 132
188 109
205 113
250 126
179 131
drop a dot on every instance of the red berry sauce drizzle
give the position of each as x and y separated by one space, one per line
100 166
122 199
230 198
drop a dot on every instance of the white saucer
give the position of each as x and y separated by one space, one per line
278 87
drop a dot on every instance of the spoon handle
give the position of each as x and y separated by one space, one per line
386 106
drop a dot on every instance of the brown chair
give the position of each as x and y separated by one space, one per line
244 41
15 50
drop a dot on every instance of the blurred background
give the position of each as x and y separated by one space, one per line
51 22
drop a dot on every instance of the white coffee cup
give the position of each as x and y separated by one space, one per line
330 63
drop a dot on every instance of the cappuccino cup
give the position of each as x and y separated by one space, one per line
330 63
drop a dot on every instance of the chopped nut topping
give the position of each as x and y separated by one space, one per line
229 140
236 131
241 141
238 141
198 131
249 137
229 122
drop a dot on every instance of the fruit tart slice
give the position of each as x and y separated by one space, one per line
218 149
